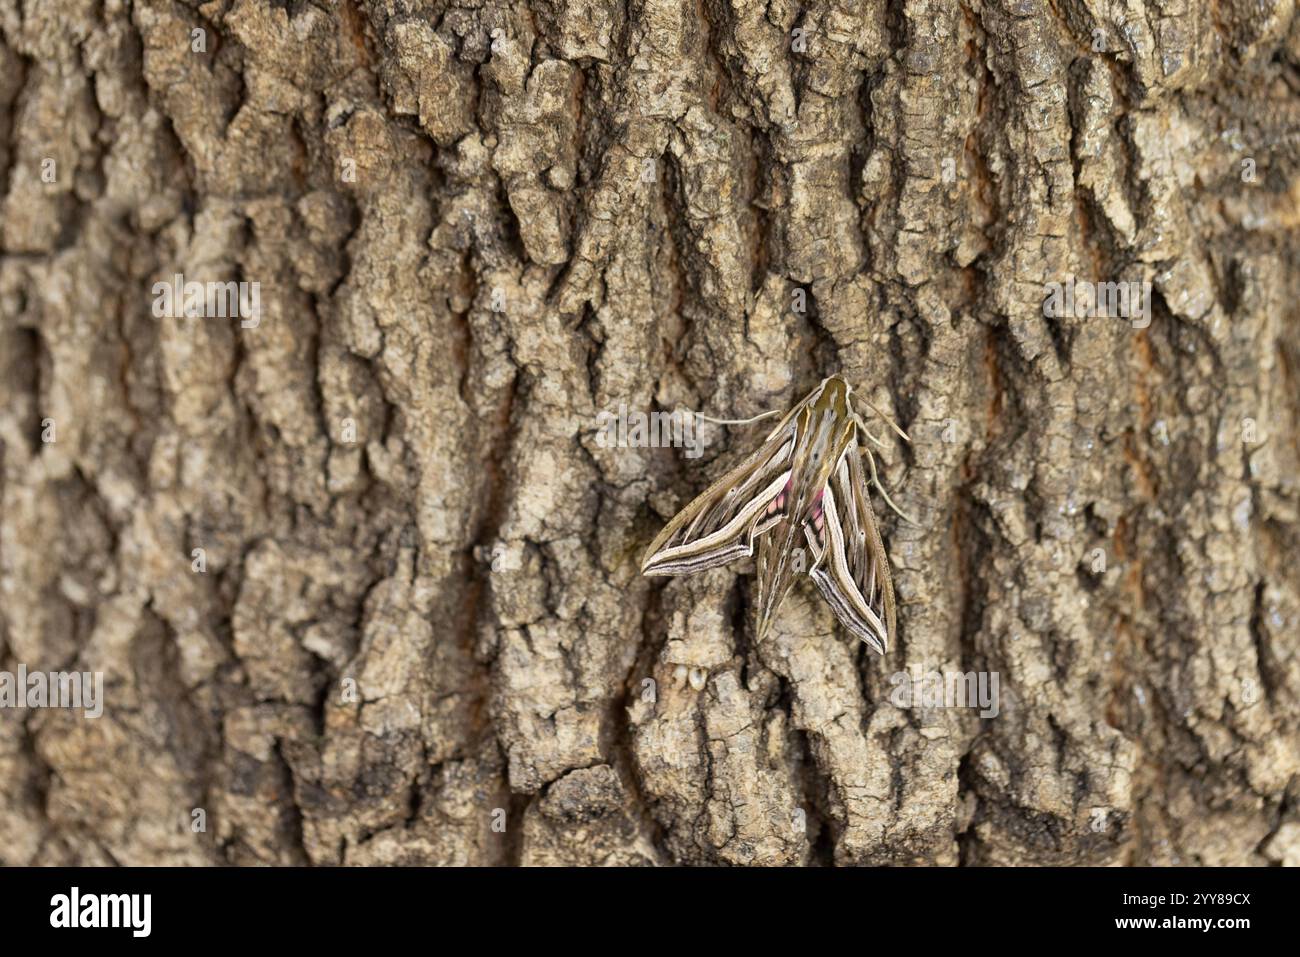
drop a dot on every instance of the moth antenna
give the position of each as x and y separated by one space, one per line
752 418
875 480
888 421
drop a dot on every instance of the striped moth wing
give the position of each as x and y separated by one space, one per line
722 523
850 567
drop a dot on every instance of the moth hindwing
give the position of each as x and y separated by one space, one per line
801 495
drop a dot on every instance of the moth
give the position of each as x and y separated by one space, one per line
802 494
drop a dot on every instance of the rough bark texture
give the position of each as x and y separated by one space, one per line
420 635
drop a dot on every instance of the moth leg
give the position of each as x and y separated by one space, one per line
875 480
752 418
888 421
866 431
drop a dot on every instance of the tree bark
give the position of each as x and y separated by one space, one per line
362 578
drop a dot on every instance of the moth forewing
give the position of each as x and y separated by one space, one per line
850 566
733 540
721 523
834 578
874 560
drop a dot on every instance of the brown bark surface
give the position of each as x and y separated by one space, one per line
416 632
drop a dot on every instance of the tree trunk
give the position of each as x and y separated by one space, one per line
360 570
